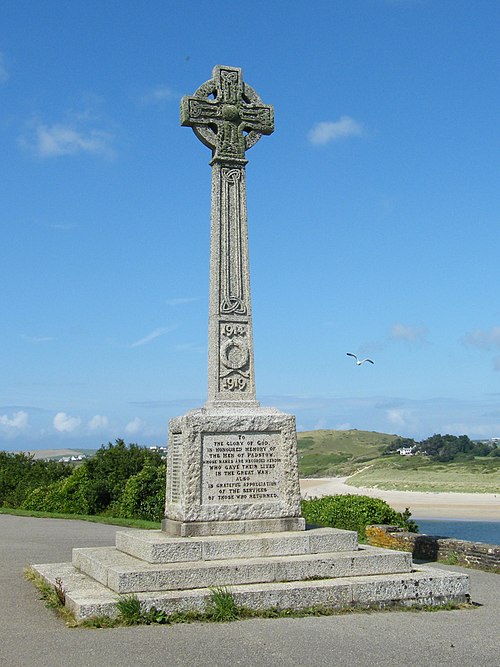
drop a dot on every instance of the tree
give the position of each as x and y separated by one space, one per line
144 495
20 473
111 467
67 496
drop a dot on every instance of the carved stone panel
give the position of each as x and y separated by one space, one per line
234 369
232 296
241 467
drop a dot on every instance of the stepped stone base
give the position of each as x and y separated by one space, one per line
294 570
85 597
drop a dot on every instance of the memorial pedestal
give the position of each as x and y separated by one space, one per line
232 470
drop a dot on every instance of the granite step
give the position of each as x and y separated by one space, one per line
126 574
154 546
85 597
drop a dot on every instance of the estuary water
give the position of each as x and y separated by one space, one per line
474 531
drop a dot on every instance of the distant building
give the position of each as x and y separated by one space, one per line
160 449
70 459
406 451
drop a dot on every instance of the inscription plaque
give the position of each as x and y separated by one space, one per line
175 467
241 467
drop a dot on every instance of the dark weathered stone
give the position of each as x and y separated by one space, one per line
227 115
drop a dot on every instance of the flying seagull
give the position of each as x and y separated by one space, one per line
358 362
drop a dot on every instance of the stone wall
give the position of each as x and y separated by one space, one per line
435 548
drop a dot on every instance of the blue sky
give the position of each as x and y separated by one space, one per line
373 214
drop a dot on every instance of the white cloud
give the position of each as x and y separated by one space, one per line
159 93
98 422
66 424
19 420
151 336
190 347
76 134
473 429
181 300
134 426
398 416
61 226
4 75
483 338
409 333
37 339
65 139
323 133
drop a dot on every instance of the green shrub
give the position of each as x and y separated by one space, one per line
128 481
353 512
144 495
68 496
20 473
111 467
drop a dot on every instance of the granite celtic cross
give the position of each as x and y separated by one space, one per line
229 117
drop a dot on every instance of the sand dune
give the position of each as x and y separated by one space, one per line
428 505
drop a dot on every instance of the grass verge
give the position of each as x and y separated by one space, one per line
113 520
53 596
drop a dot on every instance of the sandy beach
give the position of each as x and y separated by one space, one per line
428 505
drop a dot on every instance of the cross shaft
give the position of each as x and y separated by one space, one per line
229 117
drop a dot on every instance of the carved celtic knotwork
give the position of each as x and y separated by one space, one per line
227 115
231 295
232 304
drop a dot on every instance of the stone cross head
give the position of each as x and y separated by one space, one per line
227 115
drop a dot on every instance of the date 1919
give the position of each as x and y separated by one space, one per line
234 384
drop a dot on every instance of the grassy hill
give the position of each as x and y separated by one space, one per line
343 453
338 453
417 473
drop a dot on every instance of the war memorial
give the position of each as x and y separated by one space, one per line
232 516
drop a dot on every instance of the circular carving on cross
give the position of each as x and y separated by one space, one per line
227 115
230 112
234 354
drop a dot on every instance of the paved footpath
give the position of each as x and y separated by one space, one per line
32 636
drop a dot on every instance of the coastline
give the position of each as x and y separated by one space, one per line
422 505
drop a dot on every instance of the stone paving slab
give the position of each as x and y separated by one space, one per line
154 546
126 574
86 597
